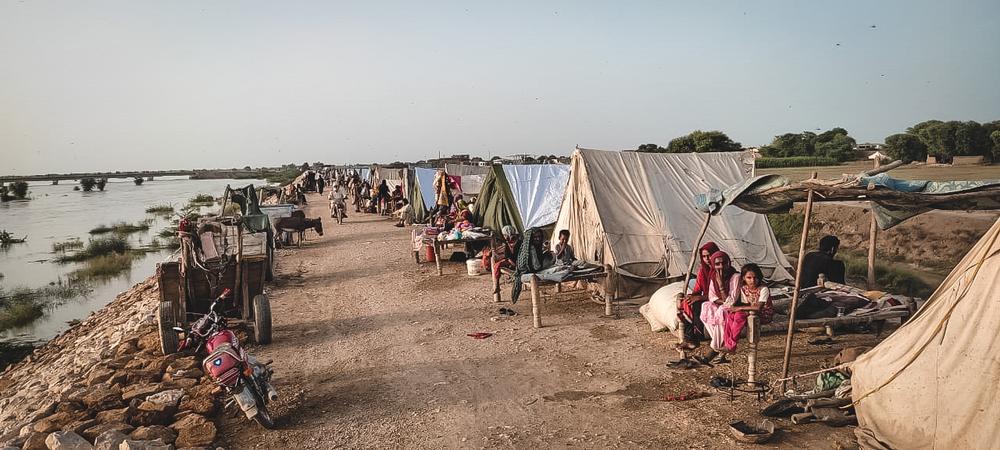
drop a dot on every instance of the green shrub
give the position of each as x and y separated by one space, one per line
71 244
103 267
98 247
889 278
19 189
284 176
160 209
796 161
121 228
202 198
87 184
787 227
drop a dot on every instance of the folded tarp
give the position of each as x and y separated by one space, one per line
894 200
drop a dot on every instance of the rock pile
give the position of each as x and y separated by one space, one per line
105 384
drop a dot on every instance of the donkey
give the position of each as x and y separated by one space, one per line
299 225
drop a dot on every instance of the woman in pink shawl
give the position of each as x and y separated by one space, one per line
753 297
723 292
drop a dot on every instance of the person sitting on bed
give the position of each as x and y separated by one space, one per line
755 297
564 252
689 310
822 262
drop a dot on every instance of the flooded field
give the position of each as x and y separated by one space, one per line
58 214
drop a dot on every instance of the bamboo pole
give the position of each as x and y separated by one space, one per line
687 275
495 273
872 237
798 284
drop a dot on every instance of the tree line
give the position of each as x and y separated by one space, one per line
932 137
946 139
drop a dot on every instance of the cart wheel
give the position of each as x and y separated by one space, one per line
165 322
261 319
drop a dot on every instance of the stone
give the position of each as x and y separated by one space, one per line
201 400
57 421
35 441
170 397
99 375
184 383
96 430
149 413
150 343
185 363
140 391
142 376
154 432
114 415
65 440
109 440
69 406
194 431
80 425
101 397
157 444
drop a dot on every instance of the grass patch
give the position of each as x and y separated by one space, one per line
787 227
104 267
98 247
160 209
22 306
202 199
796 161
62 247
283 176
121 228
888 278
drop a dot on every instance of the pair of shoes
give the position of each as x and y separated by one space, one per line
685 346
683 364
507 312
398 225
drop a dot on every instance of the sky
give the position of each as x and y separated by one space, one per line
136 85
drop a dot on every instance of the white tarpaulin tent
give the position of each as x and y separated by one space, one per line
425 179
636 212
538 190
934 383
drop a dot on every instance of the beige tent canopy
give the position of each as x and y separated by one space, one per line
636 212
934 383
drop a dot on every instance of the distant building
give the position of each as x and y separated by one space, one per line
861 151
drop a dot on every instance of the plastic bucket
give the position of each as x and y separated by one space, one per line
429 252
474 266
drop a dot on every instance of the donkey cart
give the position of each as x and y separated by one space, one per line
215 256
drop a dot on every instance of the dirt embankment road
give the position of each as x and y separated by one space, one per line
371 351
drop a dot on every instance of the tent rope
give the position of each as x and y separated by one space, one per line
940 325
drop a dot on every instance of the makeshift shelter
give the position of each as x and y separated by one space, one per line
472 176
636 212
934 382
523 196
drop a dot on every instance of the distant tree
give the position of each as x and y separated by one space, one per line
834 143
305 166
906 147
138 181
995 137
247 168
703 142
19 189
101 182
651 148
87 184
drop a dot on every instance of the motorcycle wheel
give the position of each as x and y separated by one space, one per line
263 417
261 319
340 216
165 325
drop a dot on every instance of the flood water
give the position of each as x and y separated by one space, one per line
57 213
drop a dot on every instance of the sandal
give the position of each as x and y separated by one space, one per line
685 346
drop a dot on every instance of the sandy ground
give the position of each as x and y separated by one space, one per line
371 351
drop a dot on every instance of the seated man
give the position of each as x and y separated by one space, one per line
822 262
405 213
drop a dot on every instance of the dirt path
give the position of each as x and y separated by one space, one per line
371 351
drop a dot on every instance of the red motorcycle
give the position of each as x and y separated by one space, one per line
230 366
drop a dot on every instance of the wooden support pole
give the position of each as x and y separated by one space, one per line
872 238
494 272
437 255
535 313
798 284
687 276
753 336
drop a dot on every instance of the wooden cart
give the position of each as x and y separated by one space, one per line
188 286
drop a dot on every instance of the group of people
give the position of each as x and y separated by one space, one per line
510 247
717 308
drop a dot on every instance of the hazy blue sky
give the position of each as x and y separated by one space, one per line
172 84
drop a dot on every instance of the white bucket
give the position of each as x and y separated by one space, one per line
474 266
